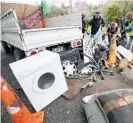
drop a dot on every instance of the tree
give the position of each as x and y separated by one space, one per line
117 9
113 13
56 11
126 6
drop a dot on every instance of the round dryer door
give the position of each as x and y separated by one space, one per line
44 80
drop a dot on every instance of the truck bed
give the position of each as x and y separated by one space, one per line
27 39
34 38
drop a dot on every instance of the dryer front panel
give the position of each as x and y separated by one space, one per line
42 82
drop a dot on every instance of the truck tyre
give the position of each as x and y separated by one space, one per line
5 47
18 54
12 49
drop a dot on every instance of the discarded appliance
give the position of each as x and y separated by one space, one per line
125 53
17 110
109 107
41 77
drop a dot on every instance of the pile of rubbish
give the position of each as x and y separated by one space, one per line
100 56
56 76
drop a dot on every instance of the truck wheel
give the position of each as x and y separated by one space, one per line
12 49
18 54
5 47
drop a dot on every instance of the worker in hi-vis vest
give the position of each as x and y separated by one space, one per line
129 29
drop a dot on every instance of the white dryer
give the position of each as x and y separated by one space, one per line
41 77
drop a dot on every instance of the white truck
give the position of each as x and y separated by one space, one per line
64 38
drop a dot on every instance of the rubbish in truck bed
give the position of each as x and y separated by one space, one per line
32 19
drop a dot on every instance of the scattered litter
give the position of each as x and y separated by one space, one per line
74 88
89 84
67 112
98 67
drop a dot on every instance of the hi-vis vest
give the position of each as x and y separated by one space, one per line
129 25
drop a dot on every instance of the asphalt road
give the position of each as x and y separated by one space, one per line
61 110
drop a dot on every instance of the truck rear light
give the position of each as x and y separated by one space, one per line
78 43
33 53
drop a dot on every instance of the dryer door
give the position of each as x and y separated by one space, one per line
44 80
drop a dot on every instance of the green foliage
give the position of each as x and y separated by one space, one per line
117 9
56 11
113 13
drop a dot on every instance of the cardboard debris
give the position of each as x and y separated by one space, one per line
74 88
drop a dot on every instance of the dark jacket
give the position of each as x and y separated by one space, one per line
95 24
83 25
111 30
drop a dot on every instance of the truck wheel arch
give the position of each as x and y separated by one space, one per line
18 54
5 47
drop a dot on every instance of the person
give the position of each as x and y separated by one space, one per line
112 29
84 19
129 29
95 23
